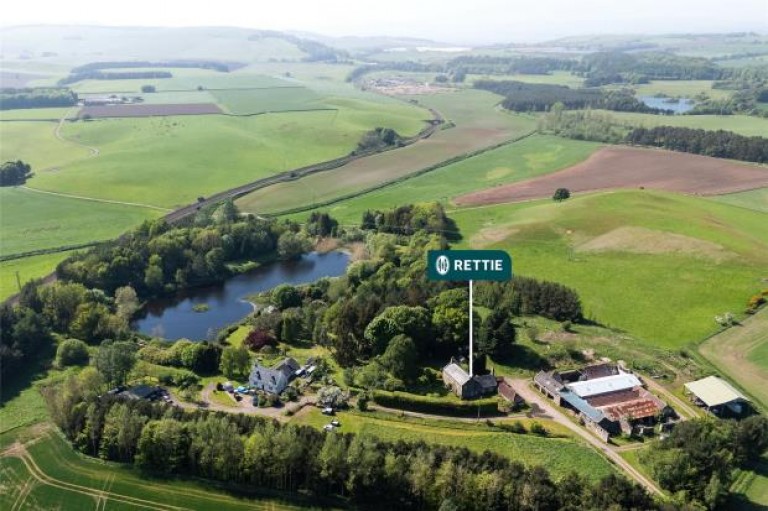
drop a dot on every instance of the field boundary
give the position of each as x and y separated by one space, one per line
51 250
420 172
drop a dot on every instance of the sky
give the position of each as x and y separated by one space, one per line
464 22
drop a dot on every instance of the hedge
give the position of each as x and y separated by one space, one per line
437 406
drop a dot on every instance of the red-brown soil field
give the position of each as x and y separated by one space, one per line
146 110
629 167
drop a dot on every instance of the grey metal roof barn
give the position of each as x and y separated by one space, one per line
714 391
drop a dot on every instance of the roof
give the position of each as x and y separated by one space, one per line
288 366
637 409
141 392
549 380
599 371
456 373
487 381
604 385
579 404
715 391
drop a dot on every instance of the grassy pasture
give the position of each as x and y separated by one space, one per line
554 78
32 114
36 144
31 220
752 199
559 455
478 124
521 160
743 124
29 268
84 481
666 297
170 161
242 101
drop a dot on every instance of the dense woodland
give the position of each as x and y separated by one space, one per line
115 75
601 127
359 469
719 144
214 65
537 97
36 98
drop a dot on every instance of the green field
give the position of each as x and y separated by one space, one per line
32 220
56 477
31 114
744 124
530 157
757 493
479 124
665 291
554 78
36 144
752 199
741 352
28 268
243 101
170 161
559 455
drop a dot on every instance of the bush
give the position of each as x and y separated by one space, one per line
72 352
538 429
439 406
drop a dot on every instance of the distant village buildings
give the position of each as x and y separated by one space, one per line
466 386
607 399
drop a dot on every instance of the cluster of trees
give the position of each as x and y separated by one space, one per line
524 296
378 139
698 459
157 258
583 125
315 50
619 67
410 218
365 471
720 143
14 173
200 357
36 98
539 97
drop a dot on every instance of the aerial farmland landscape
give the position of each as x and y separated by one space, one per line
421 256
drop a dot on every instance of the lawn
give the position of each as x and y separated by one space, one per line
521 160
479 124
170 161
28 268
559 455
35 143
666 293
752 199
741 352
80 483
31 220
747 125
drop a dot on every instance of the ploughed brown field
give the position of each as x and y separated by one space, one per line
146 110
630 167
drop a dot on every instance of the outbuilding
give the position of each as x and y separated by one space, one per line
718 397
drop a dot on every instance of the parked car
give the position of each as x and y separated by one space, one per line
335 423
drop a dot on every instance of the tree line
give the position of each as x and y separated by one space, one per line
357 469
718 144
214 65
36 98
119 75
538 97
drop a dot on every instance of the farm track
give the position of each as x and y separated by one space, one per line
94 151
92 199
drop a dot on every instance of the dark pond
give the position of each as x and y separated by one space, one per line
679 106
174 318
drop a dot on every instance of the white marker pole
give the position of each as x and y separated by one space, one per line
471 358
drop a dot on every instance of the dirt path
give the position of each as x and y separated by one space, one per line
728 351
549 411
92 199
94 151
419 415
243 406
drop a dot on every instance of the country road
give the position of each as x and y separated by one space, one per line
531 397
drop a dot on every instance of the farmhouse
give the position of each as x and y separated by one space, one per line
607 399
143 392
717 396
273 380
466 386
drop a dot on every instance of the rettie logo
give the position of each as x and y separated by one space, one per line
442 265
